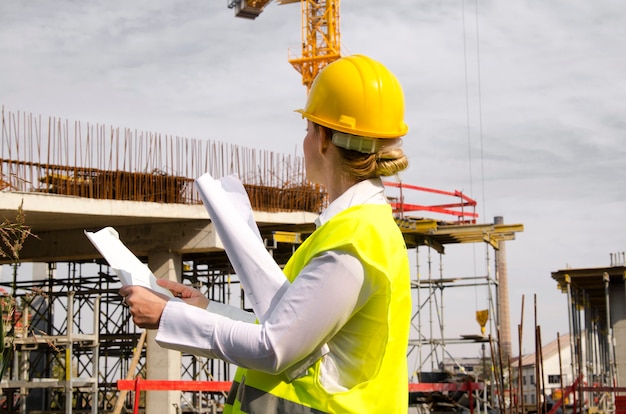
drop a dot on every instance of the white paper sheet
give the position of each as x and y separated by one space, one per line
228 206
129 269
262 279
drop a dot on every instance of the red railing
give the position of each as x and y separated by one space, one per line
138 384
464 209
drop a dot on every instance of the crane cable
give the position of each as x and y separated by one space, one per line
479 100
480 121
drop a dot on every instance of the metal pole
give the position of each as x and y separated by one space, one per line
537 359
68 353
570 318
441 317
95 358
493 319
609 328
433 352
558 341
520 332
24 367
589 347
419 314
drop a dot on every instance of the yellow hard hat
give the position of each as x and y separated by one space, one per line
359 96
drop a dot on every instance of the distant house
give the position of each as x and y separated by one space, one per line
551 370
469 366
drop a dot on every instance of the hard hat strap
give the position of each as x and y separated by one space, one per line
359 143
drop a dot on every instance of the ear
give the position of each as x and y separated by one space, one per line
324 139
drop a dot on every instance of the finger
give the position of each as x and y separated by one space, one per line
178 289
124 292
174 287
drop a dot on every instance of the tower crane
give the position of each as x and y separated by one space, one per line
320 32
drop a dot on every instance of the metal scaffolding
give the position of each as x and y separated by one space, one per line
79 301
57 315
596 305
429 348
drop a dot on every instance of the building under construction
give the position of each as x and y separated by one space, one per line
596 302
70 340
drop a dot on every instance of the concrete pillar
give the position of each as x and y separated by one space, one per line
163 364
618 322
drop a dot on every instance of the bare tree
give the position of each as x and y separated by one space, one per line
13 234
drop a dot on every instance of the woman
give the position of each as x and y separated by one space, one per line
333 336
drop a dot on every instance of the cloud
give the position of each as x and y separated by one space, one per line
519 104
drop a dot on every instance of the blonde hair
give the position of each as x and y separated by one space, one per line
384 163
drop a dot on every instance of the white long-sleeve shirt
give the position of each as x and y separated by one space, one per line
297 319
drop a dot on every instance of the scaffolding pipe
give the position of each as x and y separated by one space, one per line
430 308
558 342
69 392
609 327
570 318
492 312
419 314
95 356
441 312
520 330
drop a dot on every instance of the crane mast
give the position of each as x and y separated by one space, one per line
320 33
320 37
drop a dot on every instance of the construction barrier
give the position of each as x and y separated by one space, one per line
138 384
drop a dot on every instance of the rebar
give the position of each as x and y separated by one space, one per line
96 161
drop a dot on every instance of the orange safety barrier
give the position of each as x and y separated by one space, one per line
138 384
444 386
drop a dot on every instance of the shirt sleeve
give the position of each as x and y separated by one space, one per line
310 311
231 312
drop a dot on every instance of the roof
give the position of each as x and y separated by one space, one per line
548 350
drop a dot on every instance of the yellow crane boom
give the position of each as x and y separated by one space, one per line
320 32
248 9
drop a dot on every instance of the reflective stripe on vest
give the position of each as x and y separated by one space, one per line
252 400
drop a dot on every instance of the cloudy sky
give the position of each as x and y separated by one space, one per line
521 105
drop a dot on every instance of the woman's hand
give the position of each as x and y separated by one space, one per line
145 305
188 294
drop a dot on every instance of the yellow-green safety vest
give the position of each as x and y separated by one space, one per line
380 329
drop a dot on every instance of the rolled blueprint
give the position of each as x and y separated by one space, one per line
128 268
261 277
